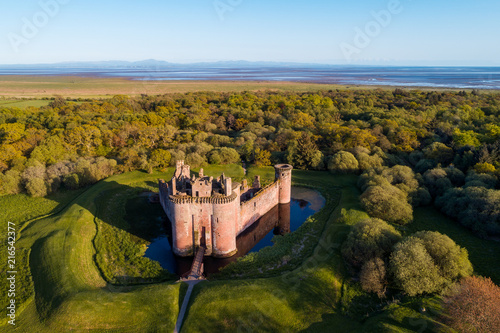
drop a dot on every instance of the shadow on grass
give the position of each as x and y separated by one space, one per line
47 287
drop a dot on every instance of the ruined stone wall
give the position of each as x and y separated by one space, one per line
260 204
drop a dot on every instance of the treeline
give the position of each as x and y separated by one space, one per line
449 142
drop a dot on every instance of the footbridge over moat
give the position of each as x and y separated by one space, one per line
196 271
191 278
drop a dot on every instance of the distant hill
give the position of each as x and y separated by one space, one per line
152 63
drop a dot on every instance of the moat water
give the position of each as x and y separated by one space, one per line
280 220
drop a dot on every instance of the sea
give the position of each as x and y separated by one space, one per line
432 77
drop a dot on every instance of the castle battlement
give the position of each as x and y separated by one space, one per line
209 211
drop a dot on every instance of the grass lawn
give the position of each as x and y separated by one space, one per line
68 292
484 254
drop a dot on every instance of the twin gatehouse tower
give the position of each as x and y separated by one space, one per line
212 212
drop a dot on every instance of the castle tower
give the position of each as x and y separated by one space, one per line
283 173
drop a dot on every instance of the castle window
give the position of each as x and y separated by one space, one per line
197 193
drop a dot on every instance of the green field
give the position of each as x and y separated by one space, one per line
15 103
64 288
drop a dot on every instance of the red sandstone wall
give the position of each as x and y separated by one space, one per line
285 180
223 229
253 209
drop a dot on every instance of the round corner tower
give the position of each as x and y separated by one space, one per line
283 173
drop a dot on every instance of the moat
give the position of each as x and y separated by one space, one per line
283 218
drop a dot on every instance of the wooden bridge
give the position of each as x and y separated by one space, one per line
196 271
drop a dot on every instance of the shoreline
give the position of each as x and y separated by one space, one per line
98 86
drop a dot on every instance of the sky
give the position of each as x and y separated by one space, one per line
367 32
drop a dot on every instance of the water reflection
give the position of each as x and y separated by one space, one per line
280 220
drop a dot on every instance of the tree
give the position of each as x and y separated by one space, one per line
343 162
475 207
36 187
369 161
484 168
428 261
71 181
436 181
160 158
50 151
402 177
229 155
474 306
452 260
369 239
439 152
465 138
373 276
262 157
195 159
413 268
10 133
387 202
10 182
304 153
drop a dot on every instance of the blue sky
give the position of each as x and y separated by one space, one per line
415 32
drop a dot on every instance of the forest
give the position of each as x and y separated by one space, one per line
411 147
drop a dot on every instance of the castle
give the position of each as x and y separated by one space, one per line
212 212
